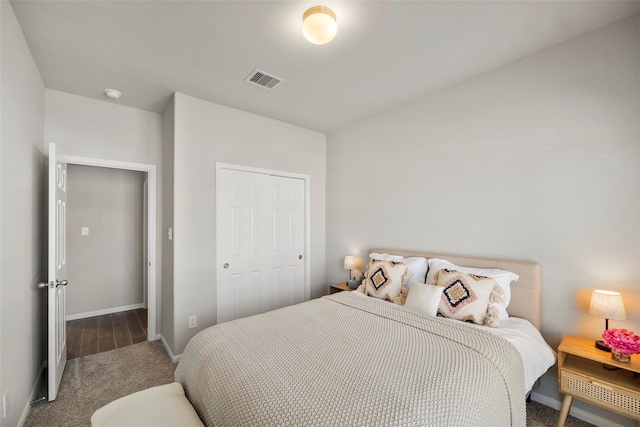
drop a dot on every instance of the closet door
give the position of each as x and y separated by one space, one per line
260 260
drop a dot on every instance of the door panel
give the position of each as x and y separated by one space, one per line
256 231
261 241
288 231
57 272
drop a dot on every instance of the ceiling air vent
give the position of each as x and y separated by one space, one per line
262 79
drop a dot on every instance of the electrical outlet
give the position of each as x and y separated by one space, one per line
5 404
193 321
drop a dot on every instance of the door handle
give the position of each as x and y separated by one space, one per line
226 265
45 285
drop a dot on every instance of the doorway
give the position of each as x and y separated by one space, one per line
148 223
105 243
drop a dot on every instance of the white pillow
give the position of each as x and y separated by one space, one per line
417 265
502 278
424 298
386 257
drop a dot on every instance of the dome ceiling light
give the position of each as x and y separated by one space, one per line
112 93
319 25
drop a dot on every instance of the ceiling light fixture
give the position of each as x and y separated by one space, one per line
319 25
112 93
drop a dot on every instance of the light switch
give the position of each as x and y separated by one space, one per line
170 233
85 231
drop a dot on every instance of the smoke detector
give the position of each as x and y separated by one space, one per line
262 79
112 93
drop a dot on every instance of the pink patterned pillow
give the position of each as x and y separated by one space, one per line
385 279
468 297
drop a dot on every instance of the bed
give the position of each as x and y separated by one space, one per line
350 359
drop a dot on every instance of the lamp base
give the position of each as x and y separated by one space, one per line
600 345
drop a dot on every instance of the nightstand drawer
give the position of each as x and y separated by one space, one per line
603 393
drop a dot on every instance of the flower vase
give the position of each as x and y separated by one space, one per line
618 357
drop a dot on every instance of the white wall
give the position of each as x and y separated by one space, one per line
105 267
537 160
206 133
89 128
168 130
22 214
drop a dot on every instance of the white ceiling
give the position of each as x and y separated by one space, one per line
385 53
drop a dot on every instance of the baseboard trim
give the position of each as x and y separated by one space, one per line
104 311
174 359
576 412
27 408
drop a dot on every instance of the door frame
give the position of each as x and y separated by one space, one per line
307 213
152 283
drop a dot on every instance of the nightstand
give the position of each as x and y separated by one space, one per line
339 288
581 374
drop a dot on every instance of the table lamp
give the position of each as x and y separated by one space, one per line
608 305
349 264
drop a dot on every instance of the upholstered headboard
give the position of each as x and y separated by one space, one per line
526 293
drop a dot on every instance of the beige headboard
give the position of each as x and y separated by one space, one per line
526 293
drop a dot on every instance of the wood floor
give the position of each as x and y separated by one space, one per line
107 332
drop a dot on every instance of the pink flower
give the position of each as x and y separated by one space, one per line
624 341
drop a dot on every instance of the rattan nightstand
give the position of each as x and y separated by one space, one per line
582 374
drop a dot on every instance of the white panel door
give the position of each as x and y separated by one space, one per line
260 243
57 272
287 213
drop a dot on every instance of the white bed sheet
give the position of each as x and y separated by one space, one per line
536 354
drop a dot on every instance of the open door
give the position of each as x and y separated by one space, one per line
57 272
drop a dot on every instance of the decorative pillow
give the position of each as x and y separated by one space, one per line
424 298
385 279
468 297
502 277
417 265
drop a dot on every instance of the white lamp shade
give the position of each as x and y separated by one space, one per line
319 25
349 262
608 305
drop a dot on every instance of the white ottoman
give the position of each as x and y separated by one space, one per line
165 405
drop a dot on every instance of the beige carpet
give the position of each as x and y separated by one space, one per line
539 415
90 382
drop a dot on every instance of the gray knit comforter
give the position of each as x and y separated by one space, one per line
348 360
